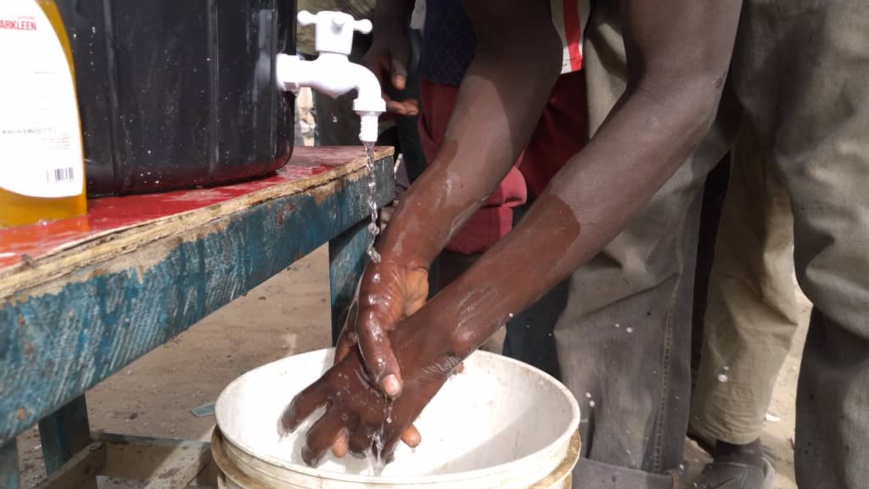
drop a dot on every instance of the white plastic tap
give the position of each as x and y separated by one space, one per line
332 73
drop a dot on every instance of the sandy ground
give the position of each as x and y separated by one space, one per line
286 315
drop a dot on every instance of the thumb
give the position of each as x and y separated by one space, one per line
398 70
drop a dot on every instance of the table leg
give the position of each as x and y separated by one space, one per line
64 433
9 465
346 262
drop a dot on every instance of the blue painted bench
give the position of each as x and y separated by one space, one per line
84 297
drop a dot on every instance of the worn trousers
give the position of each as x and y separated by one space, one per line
751 314
798 76
624 338
799 71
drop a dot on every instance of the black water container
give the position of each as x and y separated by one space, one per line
180 93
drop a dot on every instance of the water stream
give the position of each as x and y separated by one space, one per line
373 228
376 461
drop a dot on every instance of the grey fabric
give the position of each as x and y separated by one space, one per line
751 315
800 71
591 474
624 339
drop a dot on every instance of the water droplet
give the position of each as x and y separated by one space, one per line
726 368
723 378
590 403
588 395
510 315
617 325
376 278
630 330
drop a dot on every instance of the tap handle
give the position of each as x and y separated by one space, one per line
333 31
363 26
306 18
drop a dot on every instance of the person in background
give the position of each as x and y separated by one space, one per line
750 320
798 75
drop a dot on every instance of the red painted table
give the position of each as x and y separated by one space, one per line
81 298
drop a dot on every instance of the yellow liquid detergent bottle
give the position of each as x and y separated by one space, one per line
41 158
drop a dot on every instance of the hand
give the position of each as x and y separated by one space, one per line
388 58
389 292
357 411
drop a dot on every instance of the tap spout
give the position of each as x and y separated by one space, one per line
334 75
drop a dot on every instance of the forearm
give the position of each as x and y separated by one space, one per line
498 106
592 199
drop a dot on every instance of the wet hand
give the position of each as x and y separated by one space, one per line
358 413
389 292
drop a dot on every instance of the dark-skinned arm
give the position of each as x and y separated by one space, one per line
500 100
678 54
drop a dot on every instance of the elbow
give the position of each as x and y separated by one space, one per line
689 103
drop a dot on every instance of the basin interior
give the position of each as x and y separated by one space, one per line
497 411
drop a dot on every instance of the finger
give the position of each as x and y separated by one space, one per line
339 448
398 70
302 406
380 361
386 452
347 340
360 440
321 437
396 107
411 437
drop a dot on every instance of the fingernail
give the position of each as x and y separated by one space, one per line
391 386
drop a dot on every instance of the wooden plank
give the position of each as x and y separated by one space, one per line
80 471
347 259
61 336
64 433
31 255
163 463
9 465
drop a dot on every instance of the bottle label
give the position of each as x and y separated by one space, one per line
40 136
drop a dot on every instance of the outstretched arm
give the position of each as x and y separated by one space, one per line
678 54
